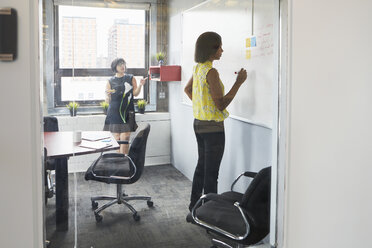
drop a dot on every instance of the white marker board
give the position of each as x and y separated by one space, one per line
237 22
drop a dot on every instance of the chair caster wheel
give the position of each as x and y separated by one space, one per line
136 217
98 217
94 205
150 203
50 194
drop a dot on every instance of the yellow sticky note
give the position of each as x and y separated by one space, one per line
248 54
248 42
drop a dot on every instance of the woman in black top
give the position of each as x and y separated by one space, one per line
120 91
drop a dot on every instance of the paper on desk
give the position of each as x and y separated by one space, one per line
94 136
93 144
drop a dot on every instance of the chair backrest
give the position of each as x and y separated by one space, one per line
137 150
50 124
256 200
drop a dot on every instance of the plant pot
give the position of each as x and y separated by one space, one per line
161 62
105 111
73 112
141 110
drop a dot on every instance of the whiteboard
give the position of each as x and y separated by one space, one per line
236 24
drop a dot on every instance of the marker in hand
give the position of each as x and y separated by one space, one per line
236 72
242 75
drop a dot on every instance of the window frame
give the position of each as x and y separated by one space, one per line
92 106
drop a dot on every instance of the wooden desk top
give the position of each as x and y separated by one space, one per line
60 144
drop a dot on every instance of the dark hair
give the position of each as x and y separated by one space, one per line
115 63
206 45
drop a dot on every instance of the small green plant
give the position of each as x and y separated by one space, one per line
73 105
104 105
160 56
141 104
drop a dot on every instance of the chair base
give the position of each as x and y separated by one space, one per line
121 198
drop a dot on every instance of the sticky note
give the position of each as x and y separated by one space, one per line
253 41
248 54
248 42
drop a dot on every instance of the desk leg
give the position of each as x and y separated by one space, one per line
62 203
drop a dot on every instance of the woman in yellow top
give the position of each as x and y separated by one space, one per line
209 102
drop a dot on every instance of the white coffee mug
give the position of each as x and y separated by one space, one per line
77 137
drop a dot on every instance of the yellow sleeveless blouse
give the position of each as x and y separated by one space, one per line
203 105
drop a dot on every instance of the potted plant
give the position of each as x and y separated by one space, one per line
160 56
73 107
141 104
104 106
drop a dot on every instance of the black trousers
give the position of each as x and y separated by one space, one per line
210 136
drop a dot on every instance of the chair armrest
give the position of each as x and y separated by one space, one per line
214 197
134 172
246 174
250 174
115 177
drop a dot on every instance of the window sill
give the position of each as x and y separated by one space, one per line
86 111
147 116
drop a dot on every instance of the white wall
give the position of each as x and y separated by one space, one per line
328 198
20 160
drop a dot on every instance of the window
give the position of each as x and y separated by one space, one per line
86 40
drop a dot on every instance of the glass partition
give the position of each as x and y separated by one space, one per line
81 43
81 39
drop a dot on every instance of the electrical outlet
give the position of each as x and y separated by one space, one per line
161 95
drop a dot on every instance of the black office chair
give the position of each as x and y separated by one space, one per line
120 169
243 219
50 125
47 242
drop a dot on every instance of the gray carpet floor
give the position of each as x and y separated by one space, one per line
162 226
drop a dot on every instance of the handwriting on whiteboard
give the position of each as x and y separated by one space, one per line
264 42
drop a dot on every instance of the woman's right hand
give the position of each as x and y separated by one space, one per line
242 76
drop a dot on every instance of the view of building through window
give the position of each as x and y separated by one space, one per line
90 38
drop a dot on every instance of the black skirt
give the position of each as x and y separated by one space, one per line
130 126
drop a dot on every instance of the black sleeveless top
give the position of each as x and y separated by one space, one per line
120 113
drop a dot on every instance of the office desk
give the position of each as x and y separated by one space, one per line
60 146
